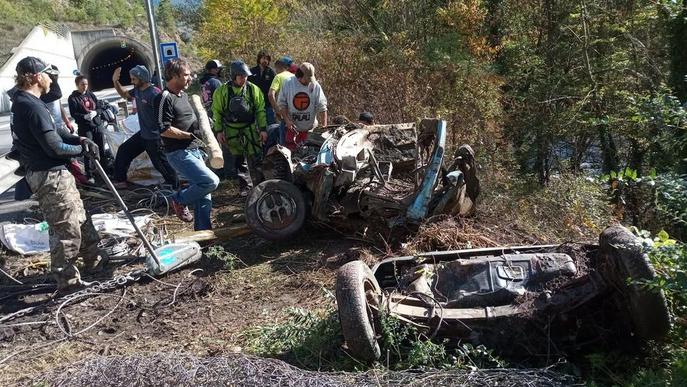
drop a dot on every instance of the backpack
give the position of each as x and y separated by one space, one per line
239 110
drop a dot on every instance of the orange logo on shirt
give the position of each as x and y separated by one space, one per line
301 101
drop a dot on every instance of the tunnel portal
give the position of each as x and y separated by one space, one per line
101 58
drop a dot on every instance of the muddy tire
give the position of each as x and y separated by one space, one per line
275 209
623 259
356 290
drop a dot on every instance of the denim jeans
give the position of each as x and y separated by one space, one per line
271 119
189 163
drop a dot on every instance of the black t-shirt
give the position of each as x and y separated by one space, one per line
41 145
175 110
263 80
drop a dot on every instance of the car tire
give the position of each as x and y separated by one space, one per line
625 259
356 288
275 209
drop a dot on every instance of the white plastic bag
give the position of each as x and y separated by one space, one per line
26 239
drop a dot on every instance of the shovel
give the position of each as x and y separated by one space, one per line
165 258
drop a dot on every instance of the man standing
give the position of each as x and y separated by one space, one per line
82 107
301 102
282 65
178 122
262 76
209 83
44 151
239 115
148 137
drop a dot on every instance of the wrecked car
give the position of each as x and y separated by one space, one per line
394 173
532 300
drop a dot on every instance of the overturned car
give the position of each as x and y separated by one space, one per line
394 173
536 300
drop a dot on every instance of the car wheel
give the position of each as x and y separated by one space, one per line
625 259
275 209
358 297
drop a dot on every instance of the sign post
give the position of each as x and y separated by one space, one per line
154 41
169 51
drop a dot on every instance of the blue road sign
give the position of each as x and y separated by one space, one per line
169 51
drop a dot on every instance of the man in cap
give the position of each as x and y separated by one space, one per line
148 137
44 151
282 66
239 121
178 124
302 104
262 77
209 83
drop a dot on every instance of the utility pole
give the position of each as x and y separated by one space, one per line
154 41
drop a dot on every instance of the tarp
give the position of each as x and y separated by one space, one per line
141 170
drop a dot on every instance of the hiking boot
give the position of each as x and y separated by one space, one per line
94 265
67 278
182 211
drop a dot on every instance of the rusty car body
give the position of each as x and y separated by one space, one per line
394 173
507 295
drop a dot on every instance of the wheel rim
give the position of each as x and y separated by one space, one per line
276 210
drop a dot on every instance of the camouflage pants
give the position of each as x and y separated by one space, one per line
70 230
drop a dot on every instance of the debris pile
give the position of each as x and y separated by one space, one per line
175 369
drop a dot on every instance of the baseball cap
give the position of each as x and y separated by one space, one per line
213 64
285 60
33 65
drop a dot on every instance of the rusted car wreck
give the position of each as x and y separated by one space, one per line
393 173
508 297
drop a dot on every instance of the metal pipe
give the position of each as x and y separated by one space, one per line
154 41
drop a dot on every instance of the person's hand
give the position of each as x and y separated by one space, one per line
90 116
116 74
70 126
220 138
90 148
263 136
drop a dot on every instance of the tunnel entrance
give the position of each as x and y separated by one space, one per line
102 58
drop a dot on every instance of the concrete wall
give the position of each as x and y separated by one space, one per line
47 45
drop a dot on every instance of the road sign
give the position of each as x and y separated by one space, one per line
169 51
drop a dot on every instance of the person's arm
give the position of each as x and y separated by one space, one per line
66 120
48 138
165 114
322 118
321 107
77 110
118 86
67 137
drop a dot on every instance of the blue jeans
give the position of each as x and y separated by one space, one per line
282 132
189 163
270 115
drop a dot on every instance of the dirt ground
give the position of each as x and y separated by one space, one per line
203 312
206 309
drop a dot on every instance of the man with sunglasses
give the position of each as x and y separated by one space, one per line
302 104
43 152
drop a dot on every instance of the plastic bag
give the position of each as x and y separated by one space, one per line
26 239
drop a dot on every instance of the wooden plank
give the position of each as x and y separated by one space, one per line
208 235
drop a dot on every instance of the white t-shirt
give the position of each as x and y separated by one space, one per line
303 102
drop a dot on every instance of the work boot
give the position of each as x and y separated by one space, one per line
95 264
182 211
67 278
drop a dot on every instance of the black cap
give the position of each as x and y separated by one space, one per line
366 117
33 65
213 64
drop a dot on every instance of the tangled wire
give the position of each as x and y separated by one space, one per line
178 369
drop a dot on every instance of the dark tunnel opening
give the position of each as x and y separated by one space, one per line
106 60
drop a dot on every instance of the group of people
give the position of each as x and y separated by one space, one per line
254 109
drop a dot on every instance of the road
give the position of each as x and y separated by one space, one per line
6 136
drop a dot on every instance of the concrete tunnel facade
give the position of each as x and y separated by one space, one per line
99 58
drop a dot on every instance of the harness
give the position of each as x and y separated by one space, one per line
241 111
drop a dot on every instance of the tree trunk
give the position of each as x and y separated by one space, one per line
609 152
